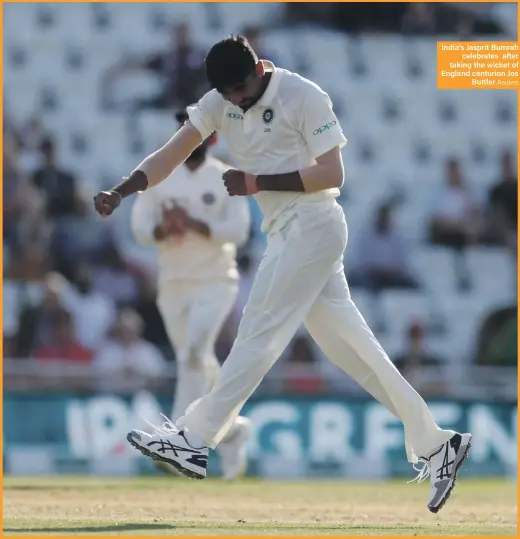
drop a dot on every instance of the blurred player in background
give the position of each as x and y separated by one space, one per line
284 136
196 227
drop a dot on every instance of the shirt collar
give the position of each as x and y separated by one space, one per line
273 85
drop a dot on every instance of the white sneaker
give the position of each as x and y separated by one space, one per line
442 467
233 452
170 446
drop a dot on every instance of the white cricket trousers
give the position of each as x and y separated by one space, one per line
301 279
193 316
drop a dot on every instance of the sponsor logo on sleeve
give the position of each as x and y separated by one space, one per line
325 127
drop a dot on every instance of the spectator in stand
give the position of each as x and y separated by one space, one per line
32 135
502 209
28 266
78 238
59 186
302 370
9 127
497 343
454 221
419 19
63 345
9 347
382 255
126 359
40 304
181 68
93 312
421 369
23 289
22 209
146 307
116 278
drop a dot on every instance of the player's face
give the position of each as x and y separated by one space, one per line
246 93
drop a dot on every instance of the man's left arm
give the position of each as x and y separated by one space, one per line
327 173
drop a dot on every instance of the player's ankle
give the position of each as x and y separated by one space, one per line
195 441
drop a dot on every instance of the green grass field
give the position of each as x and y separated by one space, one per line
178 506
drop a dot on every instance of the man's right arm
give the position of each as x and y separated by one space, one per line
160 164
204 119
153 170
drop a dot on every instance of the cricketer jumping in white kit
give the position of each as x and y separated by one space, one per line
196 227
285 138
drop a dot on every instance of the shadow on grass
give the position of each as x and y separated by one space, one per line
122 527
203 525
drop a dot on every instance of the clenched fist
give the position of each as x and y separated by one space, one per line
106 202
239 183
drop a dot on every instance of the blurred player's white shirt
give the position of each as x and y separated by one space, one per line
203 194
286 130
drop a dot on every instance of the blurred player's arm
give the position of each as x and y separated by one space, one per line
144 220
233 228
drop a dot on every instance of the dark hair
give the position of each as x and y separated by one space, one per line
230 61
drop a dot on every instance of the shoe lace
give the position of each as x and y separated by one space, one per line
424 471
167 428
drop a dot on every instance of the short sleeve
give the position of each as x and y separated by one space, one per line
319 125
206 115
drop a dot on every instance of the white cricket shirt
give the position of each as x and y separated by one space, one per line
203 194
286 130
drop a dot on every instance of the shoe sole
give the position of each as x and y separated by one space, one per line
188 473
437 508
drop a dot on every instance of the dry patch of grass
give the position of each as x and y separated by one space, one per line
178 506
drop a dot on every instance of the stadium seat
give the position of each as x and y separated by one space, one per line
464 315
401 308
11 296
17 23
365 303
235 16
493 273
435 267
279 42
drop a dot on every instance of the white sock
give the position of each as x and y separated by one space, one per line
231 433
193 440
